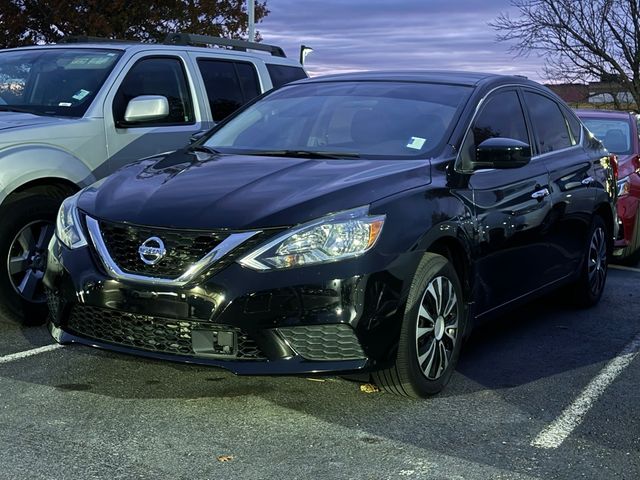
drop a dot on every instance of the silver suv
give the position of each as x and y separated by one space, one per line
74 112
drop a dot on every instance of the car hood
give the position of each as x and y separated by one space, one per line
202 191
10 120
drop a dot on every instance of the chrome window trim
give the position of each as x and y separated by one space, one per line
228 244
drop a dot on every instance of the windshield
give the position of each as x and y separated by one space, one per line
345 119
53 81
615 134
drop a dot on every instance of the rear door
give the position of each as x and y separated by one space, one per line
511 208
557 134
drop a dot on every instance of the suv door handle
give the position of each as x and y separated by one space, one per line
540 194
587 181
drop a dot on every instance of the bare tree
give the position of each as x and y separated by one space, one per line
579 39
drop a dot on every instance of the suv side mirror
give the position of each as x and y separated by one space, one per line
146 108
502 153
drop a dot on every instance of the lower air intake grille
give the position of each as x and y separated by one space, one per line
324 342
151 333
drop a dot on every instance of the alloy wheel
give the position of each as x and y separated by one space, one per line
597 267
27 260
437 327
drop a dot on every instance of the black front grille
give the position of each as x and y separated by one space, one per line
152 333
324 342
184 248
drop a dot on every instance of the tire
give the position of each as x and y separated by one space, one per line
26 226
587 290
439 345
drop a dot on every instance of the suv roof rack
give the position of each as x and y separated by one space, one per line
206 40
90 39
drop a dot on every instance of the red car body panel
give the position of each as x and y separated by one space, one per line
628 242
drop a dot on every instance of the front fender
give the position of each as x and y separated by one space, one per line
26 163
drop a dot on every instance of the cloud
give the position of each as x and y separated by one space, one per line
379 35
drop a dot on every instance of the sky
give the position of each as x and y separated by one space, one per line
352 35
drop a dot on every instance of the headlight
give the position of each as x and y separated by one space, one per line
336 237
623 186
68 229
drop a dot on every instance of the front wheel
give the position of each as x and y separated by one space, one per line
431 335
26 226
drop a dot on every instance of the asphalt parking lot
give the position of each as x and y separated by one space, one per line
546 392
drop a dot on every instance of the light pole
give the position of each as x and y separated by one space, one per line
251 4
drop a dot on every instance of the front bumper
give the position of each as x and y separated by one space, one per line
341 317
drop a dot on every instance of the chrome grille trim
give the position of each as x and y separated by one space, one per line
223 248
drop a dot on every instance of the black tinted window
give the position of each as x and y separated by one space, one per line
548 123
157 76
281 74
229 85
501 116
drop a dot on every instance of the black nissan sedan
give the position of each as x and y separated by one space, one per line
352 223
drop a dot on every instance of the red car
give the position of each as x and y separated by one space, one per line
619 133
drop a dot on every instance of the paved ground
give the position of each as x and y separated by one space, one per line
76 412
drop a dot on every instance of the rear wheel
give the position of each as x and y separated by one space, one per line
431 335
26 226
587 291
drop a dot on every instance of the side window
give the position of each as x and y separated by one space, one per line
575 128
229 85
548 122
501 116
282 74
157 76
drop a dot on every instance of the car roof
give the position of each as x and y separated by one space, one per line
592 112
427 76
135 47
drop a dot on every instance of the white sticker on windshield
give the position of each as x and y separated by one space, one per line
80 94
64 104
416 143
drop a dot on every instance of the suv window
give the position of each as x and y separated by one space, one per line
156 76
501 116
229 85
549 124
282 74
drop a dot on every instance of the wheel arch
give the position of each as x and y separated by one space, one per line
457 251
41 169
605 212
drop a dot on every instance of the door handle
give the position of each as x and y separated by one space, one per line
540 194
587 181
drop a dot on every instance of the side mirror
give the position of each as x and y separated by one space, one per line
502 153
146 108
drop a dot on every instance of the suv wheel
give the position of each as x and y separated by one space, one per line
434 322
26 226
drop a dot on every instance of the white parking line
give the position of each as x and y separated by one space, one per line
572 416
29 353
622 267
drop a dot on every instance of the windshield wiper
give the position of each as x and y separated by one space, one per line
203 148
304 154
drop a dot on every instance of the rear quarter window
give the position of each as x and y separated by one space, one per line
283 74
